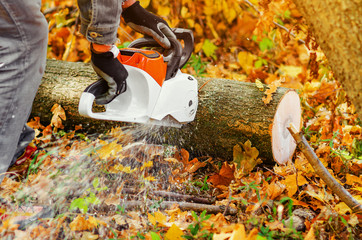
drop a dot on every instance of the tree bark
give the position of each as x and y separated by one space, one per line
337 26
229 112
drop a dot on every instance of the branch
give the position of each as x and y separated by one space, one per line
275 23
173 196
184 206
323 173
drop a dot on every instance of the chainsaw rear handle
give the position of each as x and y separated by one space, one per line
178 55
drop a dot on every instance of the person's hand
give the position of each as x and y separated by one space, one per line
147 23
108 67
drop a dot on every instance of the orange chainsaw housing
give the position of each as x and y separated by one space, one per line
149 61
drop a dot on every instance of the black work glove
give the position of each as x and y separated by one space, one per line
108 67
140 20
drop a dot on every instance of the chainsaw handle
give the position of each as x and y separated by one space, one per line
178 55
188 37
173 58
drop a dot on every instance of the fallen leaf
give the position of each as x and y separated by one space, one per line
89 236
353 180
58 116
157 217
290 182
174 233
81 224
245 157
238 233
109 149
224 177
275 189
310 235
272 88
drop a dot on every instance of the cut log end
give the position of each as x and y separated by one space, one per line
288 111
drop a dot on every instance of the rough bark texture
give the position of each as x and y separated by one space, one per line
337 26
229 111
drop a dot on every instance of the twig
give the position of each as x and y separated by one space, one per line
275 23
323 173
274 172
184 206
229 200
172 196
203 85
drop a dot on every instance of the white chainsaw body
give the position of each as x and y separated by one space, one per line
171 101
145 101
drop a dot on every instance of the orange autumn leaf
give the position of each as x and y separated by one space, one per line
224 177
275 189
81 224
272 89
292 184
35 123
194 165
58 116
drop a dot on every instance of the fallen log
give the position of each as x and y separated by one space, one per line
230 112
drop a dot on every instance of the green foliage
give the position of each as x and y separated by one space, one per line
266 44
204 186
155 236
83 203
197 64
260 62
357 148
34 165
196 227
248 187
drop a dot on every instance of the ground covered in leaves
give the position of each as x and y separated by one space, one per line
110 186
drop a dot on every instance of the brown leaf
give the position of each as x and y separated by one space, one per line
58 116
272 89
224 177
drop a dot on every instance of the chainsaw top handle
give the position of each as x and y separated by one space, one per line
177 56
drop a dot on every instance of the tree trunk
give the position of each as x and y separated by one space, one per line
229 112
337 26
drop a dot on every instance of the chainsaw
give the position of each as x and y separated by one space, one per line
158 93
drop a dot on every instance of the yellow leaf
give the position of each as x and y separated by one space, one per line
199 31
147 164
163 11
221 236
342 208
89 236
353 180
145 3
157 217
290 182
310 235
184 12
238 233
174 233
292 71
246 157
109 149
259 85
152 219
246 61
121 168
150 179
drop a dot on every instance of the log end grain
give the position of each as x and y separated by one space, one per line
288 111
